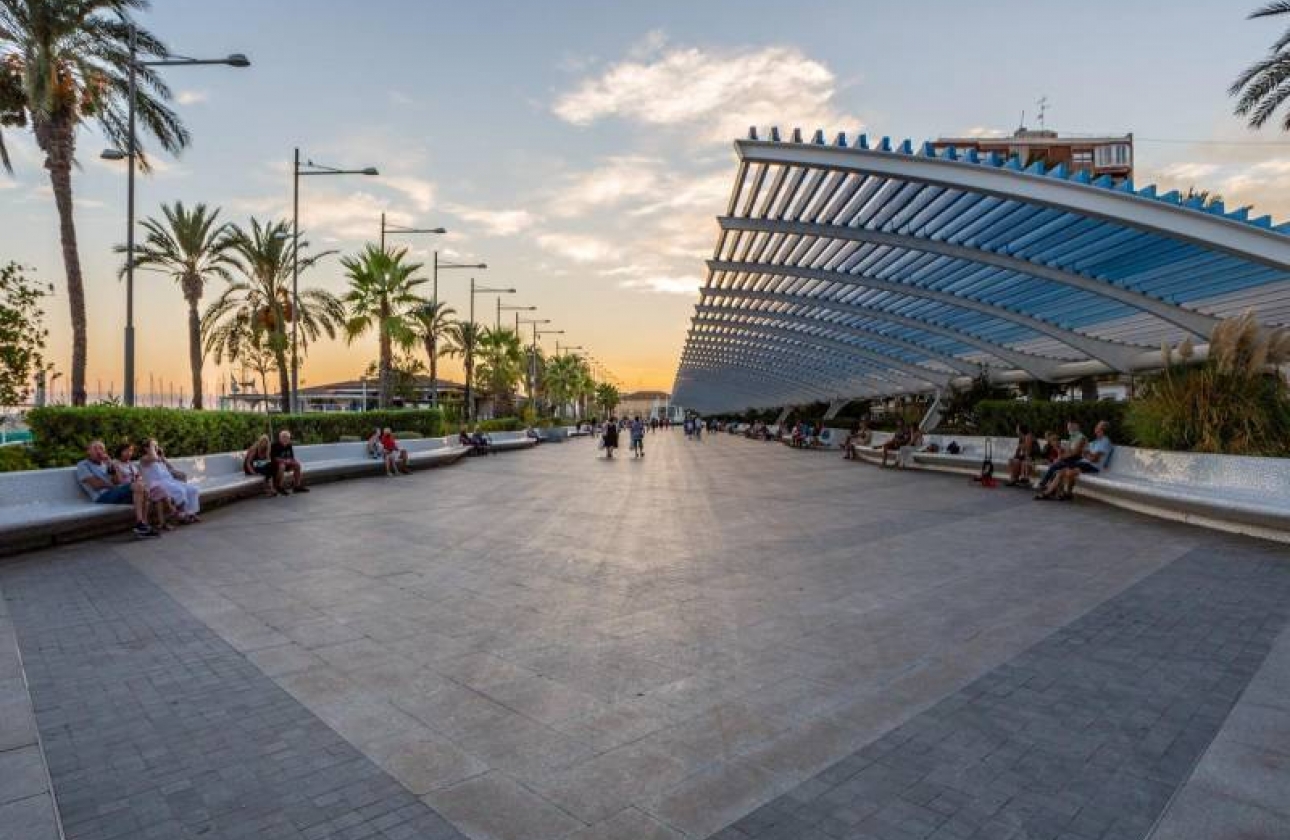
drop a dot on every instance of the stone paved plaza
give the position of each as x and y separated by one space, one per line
727 638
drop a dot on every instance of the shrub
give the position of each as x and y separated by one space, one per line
59 434
1233 403
497 424
1000 418
13 458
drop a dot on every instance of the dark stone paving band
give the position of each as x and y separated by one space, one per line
1083 737
154 727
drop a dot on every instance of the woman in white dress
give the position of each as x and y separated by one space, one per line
165 482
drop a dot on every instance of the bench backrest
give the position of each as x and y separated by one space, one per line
1198 469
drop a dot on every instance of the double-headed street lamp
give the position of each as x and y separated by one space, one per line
497 323
470 342
531 384
130 154
298 169
400 229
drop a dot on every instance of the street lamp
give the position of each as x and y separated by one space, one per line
130 154
531 383
497 323
470 342
434 300
386 228
299 168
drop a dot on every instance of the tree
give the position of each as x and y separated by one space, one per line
431 323
463 341
560 381
253 313
1264 86
63 64
607 397
382 294
22 333
501 365
192 247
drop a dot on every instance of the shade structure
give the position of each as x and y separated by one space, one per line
858 269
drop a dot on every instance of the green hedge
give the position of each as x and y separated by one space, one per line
59 434
497 424
1001 417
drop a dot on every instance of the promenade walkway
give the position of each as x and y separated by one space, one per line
726 638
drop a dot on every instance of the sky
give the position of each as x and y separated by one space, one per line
583 149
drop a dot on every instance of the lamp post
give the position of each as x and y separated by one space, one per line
387 228
130 155
299 168
470 342
531 384
497 323
434 298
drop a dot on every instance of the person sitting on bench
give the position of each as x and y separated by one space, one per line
1097 455
395 456
259 461
895 442
1023 457
1049 487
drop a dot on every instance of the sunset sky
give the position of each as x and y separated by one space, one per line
582 149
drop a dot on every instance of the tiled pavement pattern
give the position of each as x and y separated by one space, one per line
155 728
1085 736
547 645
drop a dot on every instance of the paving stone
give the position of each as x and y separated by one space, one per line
1090 731
28 819
22 773
154 726
493 807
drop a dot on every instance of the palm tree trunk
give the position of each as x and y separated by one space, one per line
387 356
284 376
59 147
195 351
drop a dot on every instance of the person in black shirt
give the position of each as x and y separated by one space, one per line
284 458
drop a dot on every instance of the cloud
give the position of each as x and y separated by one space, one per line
191 97
419 191
663 284
1263 185
579 248
495 222
724 91
614 181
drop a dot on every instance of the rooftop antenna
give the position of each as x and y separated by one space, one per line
1043 110
1021 126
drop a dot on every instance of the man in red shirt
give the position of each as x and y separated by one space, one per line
396 457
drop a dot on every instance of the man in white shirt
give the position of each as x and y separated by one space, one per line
1097 456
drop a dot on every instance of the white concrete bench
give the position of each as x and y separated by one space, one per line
1227 492
44 506
504 441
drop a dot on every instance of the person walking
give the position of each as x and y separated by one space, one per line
610 438
638 437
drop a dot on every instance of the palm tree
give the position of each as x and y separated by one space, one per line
1265 85
253 312
607 397
192 248
563 381
501 365
63 64
431 324
382 293
464 341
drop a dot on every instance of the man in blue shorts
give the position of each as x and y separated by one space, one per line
99 477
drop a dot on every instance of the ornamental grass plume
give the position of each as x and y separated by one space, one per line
1235 402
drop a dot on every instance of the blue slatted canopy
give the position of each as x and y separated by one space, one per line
862 269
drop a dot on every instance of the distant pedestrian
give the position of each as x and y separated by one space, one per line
610 438
637 429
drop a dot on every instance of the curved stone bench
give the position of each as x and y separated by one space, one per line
503 441
40 507
1227 492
